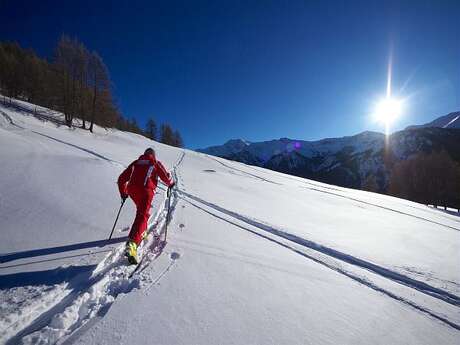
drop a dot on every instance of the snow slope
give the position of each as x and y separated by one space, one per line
253 256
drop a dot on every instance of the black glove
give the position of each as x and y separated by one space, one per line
123 197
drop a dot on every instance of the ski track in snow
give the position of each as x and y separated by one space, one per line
10 120
80 148
244 172
399 278
385 208
91 152
323 186
63 310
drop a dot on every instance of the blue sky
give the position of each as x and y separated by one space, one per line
259 70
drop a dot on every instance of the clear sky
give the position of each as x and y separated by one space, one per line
259 70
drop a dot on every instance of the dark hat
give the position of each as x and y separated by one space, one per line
149 151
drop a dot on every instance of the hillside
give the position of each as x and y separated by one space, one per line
253 256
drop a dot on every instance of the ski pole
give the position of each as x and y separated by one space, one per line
167 213
116 219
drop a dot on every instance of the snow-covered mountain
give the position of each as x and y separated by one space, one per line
253 256
347 161
451 120
230 147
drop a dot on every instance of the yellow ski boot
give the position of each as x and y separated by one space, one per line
131 252
145 235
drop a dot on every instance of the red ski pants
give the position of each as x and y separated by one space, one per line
143 200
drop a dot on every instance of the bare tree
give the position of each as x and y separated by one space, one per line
64 62
151 129
76 83
166 134
430 179
177 139
99 80
370 184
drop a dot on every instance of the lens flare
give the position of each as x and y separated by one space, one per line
388 110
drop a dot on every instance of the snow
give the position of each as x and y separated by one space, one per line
451 120
230 147
253 256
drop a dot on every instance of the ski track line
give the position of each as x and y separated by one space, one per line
341 189
10 120
80 148
160 276
90 297
242 171
384 207
47 116
355 277
382 271
87 296
155 251
338 189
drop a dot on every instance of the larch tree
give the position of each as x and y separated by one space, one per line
100 84
166 134
151 129
178 142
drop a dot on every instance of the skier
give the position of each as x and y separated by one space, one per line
139 181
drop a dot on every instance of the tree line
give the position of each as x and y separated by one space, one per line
76 82
432 179
427 178
164 134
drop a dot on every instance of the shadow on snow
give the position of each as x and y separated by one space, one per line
60 249
46 277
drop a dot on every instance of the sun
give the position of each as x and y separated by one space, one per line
388 110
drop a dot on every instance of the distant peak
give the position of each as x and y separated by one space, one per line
237 142
369 134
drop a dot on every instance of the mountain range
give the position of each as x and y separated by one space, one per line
348 161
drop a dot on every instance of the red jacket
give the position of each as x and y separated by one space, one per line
143 173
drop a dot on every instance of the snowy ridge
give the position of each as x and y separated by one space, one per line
230 147
267 149
447 121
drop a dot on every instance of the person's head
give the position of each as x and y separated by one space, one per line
150 151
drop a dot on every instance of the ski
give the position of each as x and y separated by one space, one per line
158 246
